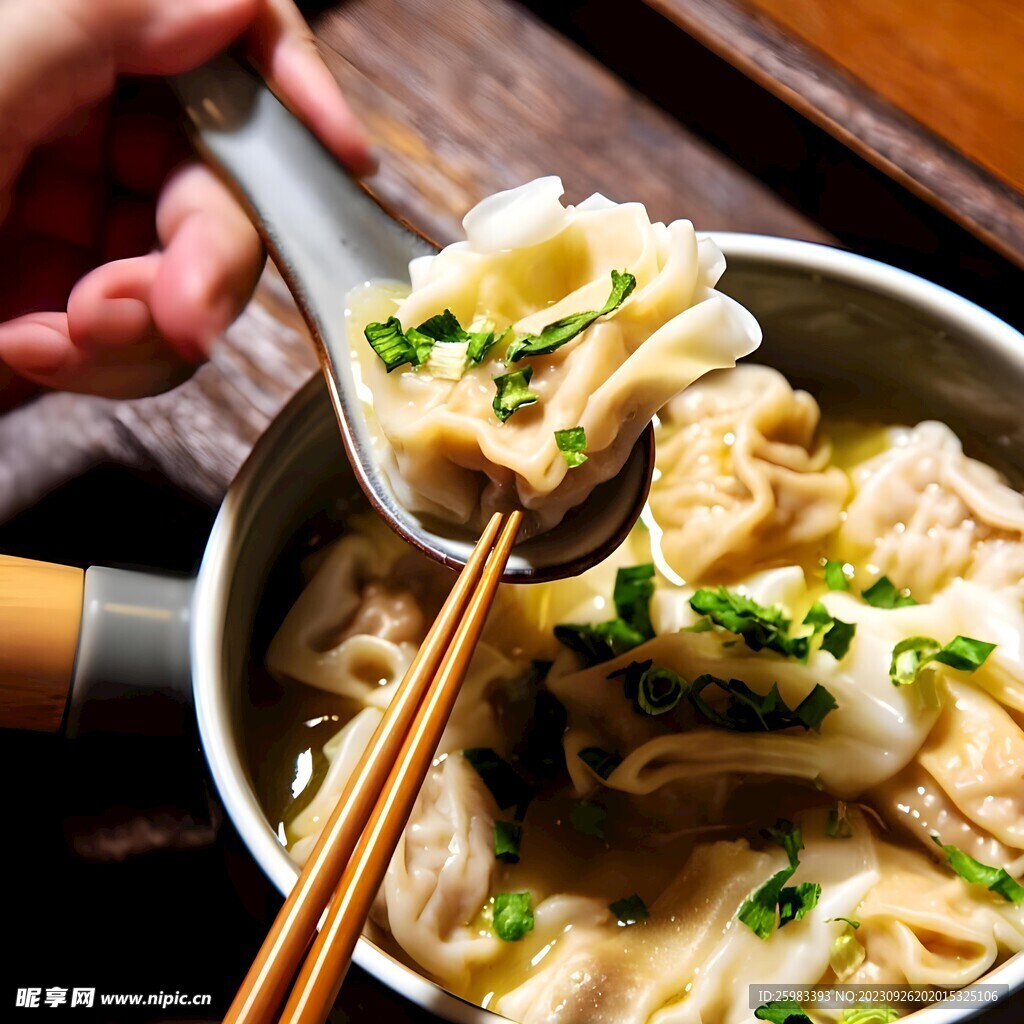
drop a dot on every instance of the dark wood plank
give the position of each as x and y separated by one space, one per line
467 98
865 121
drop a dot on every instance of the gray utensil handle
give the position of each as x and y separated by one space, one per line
132 669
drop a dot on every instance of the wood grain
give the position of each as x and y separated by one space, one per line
957 66
466 98
862 119
40 617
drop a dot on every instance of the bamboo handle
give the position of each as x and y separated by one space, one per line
40 618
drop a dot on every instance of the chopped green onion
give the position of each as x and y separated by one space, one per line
782 1011
911 655
556 334
836 635
600 762
768 628
507 787
571 443
513 915
883 594
508 835
847 953
835 575
629 910
512 392
797 901
589 818
996 880
634 587
597 642
447 360
964 653
838 825
388 341
652 688
870 1015
748 711
773 902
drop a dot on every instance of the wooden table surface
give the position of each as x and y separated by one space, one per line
463 98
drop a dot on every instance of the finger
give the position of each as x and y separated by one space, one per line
67 60
105 344
282 46
211 261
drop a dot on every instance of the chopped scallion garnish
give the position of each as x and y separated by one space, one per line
556 334
571 444
513 392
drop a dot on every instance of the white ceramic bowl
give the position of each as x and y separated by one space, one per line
861 336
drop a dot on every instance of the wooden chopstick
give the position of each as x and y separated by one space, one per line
267 981
323 971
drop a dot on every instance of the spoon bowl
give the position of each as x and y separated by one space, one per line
327 235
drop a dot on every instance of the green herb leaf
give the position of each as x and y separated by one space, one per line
507 786
836 635
481 343
513 392
774 901
748 711
796 901
539 751
390 344
789 837
629 910
652 688
599 641
556 334
870 1015
997 880
761 628
507 838
782 1011
847 954
911 655
589 818
838 825
634 587
571 443
965 654
883 594
846 920
513 915
760 910
599 761
835 576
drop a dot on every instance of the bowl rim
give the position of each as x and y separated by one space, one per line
214 706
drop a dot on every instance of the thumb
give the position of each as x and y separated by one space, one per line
60 56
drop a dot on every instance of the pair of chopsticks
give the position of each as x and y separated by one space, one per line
347 865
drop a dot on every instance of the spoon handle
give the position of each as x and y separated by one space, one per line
324 232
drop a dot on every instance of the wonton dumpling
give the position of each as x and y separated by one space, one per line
527 262
440 876
742 475
692 961
349 631
921 924
924 513
967 782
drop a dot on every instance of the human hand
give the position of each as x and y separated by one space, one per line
121 264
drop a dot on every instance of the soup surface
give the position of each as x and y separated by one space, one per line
776 739
609 780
